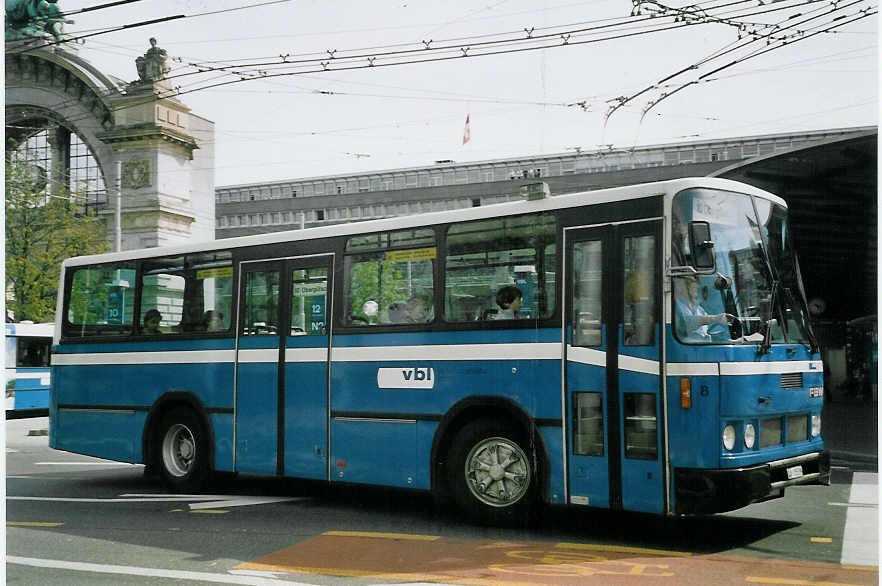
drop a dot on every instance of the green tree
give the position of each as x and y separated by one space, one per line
41 231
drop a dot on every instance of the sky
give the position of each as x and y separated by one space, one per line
324 87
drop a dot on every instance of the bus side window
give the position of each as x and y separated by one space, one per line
638 326
487 256
389 279
33 352
100 300
191 294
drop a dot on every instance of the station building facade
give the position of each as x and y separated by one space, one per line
314 201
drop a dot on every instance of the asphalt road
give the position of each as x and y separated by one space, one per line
76 520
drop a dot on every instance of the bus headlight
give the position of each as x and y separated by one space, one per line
729 437
749 436
816 425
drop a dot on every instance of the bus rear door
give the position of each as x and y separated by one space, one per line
282 367
613 383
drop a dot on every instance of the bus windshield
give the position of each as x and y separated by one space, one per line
756 283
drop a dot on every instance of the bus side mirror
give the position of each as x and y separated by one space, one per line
702 245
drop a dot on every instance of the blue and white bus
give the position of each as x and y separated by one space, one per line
643 348
28 347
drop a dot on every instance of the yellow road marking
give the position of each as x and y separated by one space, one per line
862 568
822 540
405 576
623 549
209 511
793 581
31 524
382 535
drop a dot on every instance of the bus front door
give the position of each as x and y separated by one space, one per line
612 383
282 367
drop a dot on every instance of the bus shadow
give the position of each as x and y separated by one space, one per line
367 508
699 535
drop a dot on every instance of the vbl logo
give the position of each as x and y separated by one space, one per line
417 374
406 378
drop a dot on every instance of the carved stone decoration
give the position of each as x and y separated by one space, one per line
152 65
27 19
136 174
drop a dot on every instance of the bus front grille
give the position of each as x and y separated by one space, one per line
791 380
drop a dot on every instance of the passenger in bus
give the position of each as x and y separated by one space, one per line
397 312
417 310
693 323
151 322
193 319
509 299
214 321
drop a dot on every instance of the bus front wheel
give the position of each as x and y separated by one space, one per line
491 477
183 451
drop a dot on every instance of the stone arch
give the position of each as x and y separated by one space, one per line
138 141
66 90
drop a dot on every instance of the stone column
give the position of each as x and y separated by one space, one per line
151 138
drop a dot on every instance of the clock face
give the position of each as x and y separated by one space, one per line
817 306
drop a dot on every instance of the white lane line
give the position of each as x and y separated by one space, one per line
149 572
108 463
860 542
202 501
244 501
62 499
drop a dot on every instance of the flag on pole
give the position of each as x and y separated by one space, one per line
467 134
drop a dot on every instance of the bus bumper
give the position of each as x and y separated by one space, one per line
703 492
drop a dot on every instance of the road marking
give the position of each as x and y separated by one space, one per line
63 499
860 540
32 524
409 536
864 505
149 572
244 501
239 501
822 540
85 464
623 549
793 582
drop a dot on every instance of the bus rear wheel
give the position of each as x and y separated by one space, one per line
492 475
182 451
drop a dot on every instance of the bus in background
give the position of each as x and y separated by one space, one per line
28 347
644 348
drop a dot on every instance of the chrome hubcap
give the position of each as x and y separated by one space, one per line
178 450
497 472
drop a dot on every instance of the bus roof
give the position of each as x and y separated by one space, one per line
511 208
30 329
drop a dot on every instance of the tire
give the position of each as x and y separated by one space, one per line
182 451
492 476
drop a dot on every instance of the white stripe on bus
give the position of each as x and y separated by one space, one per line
529 351
742 368
23 375
693 369
118 358
438 352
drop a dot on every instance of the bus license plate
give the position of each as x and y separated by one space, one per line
794 472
